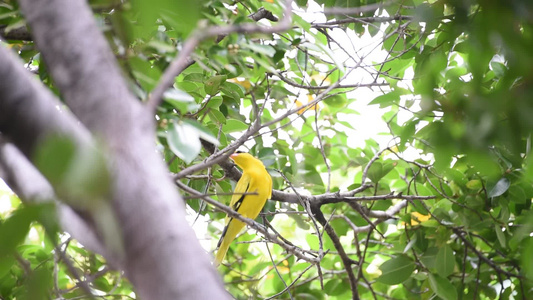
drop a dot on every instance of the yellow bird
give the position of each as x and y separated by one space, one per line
256 185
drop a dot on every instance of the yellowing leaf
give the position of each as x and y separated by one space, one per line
245 83
417 218
320 79
304 109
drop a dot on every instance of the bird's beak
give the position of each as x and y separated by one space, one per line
233 156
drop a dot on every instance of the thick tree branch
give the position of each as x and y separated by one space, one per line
163 258
22 177
346 261
29 112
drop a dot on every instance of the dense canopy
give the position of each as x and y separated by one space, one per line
397 135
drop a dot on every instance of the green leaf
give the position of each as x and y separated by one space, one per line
161 47
182 15
202 132
336 101
385 100
232 89
184 141
312 241
375 171
145 73
6 262
212 85
335 287
13 231
498 68
214 102
474 184
527 259
54 158
429 257
300 222
500 187
396 270
442 287
324 49
500 235
78 175
378 170
445 261
262 49
217 116
180 100
233 125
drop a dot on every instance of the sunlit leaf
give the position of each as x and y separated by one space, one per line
500 187
180 100
234 126
184 141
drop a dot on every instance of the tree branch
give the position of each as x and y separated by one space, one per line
20 33
296 251
346 261
354 10
323 87
31 187
29 111
365 20
142 198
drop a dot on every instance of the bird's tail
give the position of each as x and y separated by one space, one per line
221 253
228 235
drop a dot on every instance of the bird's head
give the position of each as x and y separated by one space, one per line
243 159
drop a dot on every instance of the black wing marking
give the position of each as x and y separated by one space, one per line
224 233
238 203
235 207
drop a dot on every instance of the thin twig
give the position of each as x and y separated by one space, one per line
322 151
276 268
290 285
306 205
354 10
366 20
74 272
324 87
296 251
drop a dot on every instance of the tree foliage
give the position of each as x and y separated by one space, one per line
437 206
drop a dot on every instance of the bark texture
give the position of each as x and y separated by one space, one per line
162 258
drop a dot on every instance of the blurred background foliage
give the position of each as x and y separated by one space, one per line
453 80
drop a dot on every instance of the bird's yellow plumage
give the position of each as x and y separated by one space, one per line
255 179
